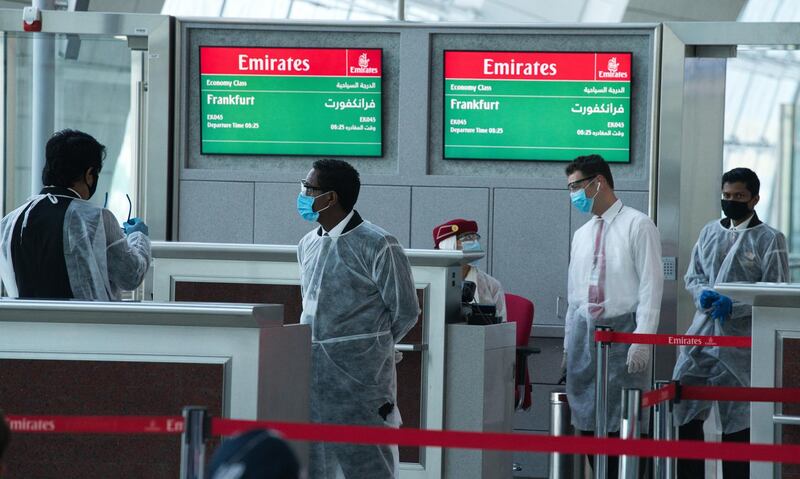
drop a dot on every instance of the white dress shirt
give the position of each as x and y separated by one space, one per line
336 231
634 278
743 225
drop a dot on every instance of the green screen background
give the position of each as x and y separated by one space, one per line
289 117
537 122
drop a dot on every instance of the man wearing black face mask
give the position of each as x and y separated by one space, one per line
738 248
58 245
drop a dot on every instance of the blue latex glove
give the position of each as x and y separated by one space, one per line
707 298
135 224
722 308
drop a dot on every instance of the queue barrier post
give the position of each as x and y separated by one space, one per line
601 408
196 431
630 428
560 464
664 429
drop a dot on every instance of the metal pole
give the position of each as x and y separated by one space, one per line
43 101
193 442
629 428
670 434
401 10
560 464
601 401
663 429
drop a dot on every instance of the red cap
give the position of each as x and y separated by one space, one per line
454 227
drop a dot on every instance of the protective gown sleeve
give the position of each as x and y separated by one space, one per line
300 268
776 261
569 318
129 256
774 269
647 260
392 274
696 278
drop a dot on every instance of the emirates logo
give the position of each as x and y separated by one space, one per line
613 70
363 67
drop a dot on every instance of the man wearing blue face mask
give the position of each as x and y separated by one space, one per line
615 279
460 234
360 300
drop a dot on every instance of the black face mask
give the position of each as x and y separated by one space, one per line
93 188
736 210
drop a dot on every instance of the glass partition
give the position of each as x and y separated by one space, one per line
761 133
97 80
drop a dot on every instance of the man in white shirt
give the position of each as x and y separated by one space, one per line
737 248
616 280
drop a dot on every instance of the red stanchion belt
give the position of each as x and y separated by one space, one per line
675 391
666 393
417 437
724 393
518 442
673 339
97 424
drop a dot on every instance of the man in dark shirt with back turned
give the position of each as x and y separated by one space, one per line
58 245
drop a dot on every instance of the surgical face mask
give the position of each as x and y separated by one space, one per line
581 202
735 210
471 245
305 207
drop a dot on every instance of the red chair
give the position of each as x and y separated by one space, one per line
520 310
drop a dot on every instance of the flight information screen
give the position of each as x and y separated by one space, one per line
541 106
290 101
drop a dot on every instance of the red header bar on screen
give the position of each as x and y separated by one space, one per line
537 66
353 62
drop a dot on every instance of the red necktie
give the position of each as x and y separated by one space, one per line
597 288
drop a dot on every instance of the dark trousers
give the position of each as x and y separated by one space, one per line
613 461
694 469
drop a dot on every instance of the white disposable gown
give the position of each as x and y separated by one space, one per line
633 285
360 300
756 254
101 261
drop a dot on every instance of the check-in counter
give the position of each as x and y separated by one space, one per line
270 273
480 395
775 363
152 359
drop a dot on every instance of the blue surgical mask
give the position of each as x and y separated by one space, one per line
471 246
305 206
582 202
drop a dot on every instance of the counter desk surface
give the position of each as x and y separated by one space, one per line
148 359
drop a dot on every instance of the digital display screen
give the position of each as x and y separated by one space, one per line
541 106
291 101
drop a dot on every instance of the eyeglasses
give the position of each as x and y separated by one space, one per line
574 186
305 187
469 237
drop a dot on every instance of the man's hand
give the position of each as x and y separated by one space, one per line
722 308
638 358
707 298
135 224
